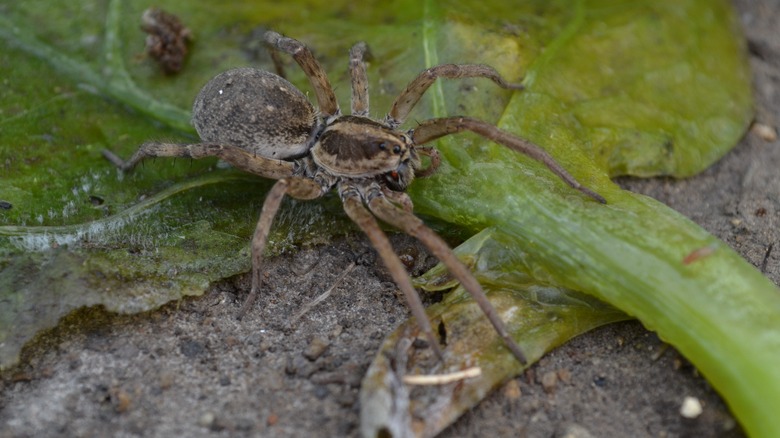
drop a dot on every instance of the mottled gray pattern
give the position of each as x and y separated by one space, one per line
276 123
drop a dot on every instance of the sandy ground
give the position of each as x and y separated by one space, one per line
191 369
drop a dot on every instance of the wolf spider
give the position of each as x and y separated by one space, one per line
260 123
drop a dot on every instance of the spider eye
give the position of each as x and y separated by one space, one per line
396 149
382 146
394 175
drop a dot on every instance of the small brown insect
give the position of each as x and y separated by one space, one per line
168 39
260 123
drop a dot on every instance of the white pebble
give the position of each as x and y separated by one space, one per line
691 407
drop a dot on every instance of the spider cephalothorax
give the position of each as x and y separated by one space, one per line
260 123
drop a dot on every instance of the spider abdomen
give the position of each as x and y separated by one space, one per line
257 111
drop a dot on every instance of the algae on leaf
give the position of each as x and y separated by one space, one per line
77 231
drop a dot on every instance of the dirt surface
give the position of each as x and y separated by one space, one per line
191 369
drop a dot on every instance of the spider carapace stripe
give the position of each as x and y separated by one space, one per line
360 147
262 124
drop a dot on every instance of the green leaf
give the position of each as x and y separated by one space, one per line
79 232
642 88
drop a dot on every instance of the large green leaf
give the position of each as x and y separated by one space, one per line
641 88
657 88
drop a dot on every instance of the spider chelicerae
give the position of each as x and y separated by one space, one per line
260 123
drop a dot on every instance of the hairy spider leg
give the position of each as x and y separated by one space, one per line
433 129
400 210
326 99
353 205
236 156
299 188
414 226
408 98
357 73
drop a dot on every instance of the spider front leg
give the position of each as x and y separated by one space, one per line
357 72
408 98
326 99
353 205
299 188
414 226
236 156
433 129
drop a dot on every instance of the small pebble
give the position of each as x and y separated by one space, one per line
512 390
120 399
549 381
316 347
167 379
564 375
691 407
576 431
207 419
765 132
